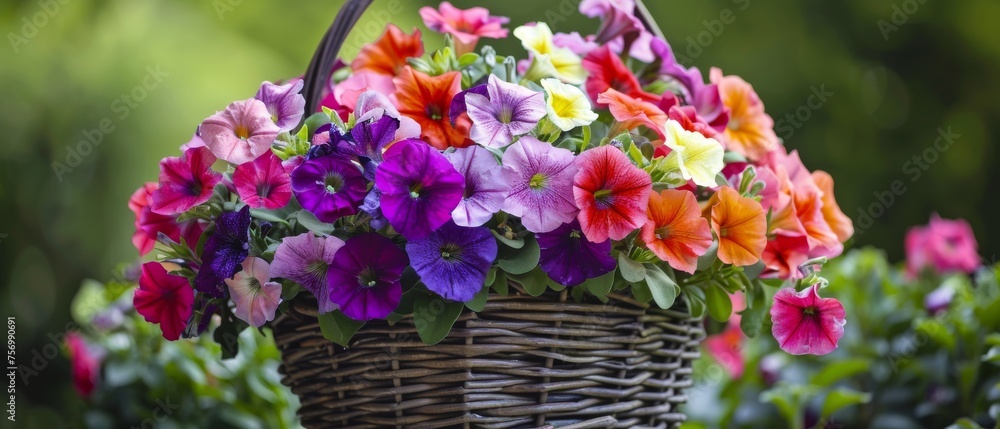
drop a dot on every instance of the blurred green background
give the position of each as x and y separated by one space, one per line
894 74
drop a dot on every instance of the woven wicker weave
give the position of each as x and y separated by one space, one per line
522 362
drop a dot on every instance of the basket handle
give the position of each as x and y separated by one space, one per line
318 74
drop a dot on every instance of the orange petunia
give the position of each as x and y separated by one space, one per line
750 131
839 222
427 100
387 56
741 226
676 232
632 112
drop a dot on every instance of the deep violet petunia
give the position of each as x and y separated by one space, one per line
484 189
256 297
458 104
329 187
240 133
224 251
364 277
420 188
305 259
368 141
284 102
185 181
508 111
612 194
263 183
164 299
453 261
570 259
804 323
541 180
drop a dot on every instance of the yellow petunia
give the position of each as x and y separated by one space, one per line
549 60
694 156
567 106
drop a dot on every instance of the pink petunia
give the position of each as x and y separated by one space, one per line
85 364
541 180
727 349
185 182
804 323
465 25
241 133
944 245
305 259
164 299
255 295
263 183
612 194
149 225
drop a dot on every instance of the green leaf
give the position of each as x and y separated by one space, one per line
708 259
515 243
227 335
786 403
965 423
632 271
641 292
663 288
467 60
752 319
842 397
434 317
524 261
338 328
839 370
268 215
478 302
720 305
535 282
317 120
599 286
937 332
309 221
500 283
695 297
587 135
754 270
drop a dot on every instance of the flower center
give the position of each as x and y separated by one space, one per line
809 311
435 112
242 132
368 277
563 107
193 187
662 232
333 183
537 181
450 251
263 189
415 190
604 198
723 232
506 115
253 284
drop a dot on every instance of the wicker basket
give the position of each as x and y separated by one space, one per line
521 362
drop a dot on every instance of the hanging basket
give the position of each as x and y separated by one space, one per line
523 361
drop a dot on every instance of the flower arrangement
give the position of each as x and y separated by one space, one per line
590 164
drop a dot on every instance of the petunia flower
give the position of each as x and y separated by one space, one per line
255 295
750 131
330 187
687 116
741 226
567 106
839 223
676 231
944 245
263 183
388 55
783 255
541 180
569 258
458 105
607 71
85 364
373 207
185 182
484 192
284 102
427 100
149 224
617 18
726 348
364 277
689 84
240 133
549 60
632 112
350 91
465 25
508 111
420 188
224 252
164 299
305 259
373 105
368 141
575 42
612 194
804 323
696 157
453 261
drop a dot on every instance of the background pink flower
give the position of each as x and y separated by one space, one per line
465 25
944 245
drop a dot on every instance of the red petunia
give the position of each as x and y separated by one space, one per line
148 224
607 71
164 299
612 194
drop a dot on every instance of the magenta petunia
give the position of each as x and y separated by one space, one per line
329 187
804 323
453 261
509 110
305 259
256 297
419 187
263 183
85 363
164 299
185 182
284 102
240 133
943 245
364 277
541 181
149 225
484 189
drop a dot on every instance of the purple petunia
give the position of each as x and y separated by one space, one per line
570 258
373 206
224 252
509 110
453 261
541 180
330 187
368 141
364 277
284 102
305 259
484 190
420 188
